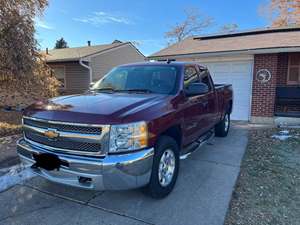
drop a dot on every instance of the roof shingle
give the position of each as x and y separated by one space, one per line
74 54
247 41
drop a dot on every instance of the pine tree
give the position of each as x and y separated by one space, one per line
61 43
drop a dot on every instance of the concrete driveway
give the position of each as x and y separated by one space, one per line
201 195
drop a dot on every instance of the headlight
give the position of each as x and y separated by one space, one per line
127 137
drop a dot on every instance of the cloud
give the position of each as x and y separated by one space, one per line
99 18
43 24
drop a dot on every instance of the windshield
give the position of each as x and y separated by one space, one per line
150 79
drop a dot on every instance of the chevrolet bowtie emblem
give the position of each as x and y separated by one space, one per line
51 134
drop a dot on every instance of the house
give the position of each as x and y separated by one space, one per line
77 67
262 65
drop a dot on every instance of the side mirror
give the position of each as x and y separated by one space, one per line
196 89
91 85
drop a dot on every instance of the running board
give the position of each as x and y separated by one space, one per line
187 151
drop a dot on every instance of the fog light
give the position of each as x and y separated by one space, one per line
83 180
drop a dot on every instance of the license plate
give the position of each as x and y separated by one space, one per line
47 161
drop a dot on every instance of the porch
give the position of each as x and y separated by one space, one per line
287 101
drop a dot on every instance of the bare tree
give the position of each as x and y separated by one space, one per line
23 72
193 24
229 28
18 47
281 12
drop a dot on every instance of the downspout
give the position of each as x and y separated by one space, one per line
88 67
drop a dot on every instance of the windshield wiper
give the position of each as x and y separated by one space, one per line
104 89
139 90
120 90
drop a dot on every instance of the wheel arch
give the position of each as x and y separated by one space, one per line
230 106
174 132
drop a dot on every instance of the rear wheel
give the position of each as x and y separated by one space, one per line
222 128
164 169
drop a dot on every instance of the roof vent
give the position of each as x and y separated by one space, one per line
117 42
89 43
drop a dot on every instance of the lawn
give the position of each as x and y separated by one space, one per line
10 123
268 187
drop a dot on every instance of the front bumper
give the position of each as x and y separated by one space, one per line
113 172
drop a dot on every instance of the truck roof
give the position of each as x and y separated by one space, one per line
163 63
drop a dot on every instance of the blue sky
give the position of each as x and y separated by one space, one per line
102 21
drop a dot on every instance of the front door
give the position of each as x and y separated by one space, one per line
211 111
195 108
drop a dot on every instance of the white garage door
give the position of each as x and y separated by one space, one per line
238 74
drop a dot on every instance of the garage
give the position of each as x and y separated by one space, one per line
262 65
239 74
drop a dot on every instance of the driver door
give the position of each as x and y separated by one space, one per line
195 108
211 97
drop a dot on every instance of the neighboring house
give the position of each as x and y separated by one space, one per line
77 67
262 65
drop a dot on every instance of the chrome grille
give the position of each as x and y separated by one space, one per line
81 139
62 144
63 127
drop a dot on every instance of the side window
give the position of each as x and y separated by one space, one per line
205 79
190 75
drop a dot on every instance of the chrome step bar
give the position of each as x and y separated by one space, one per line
197 144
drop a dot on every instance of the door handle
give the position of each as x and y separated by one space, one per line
204 104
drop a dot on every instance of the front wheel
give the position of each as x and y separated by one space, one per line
222 128
164 169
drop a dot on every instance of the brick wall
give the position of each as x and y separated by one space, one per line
263 94
282 69
282 74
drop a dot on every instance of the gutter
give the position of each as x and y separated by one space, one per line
232 52
88 67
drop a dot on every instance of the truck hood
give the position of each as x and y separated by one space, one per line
96 108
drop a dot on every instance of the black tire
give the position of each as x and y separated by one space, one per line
154 188
222 129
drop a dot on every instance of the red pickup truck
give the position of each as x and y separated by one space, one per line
129 130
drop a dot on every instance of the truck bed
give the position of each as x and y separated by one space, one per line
217 86
224 92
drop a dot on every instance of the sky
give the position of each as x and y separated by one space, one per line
144 22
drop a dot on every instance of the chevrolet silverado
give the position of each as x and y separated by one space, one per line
129 130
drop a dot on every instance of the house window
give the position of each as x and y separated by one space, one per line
294 69
59 73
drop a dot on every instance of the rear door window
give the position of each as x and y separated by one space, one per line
205 79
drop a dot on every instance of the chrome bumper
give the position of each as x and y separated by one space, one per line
113 172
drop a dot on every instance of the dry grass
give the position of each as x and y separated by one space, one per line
10 123
268 187
7 129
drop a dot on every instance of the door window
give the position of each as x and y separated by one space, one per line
205 79
190 75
